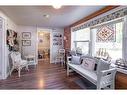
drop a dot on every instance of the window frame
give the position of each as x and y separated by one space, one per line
74 42
124 38
87 41
109 22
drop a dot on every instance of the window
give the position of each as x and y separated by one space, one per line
109 38
109 41
81 39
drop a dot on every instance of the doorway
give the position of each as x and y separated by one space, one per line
43 45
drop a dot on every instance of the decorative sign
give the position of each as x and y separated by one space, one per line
26 35
57 39
26 42
105 34
57 35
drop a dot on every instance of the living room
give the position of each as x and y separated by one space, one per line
95 31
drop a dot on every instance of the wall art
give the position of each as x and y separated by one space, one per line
57 39
12 41
26 35
26 42
106 33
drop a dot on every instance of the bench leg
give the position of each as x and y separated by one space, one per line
67 70
112 86
98 87
19 71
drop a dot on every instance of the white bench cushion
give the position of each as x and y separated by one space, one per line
89 75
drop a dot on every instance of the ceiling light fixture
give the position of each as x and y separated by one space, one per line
46 16
57 6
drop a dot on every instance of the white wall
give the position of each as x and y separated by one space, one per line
8 24
28 50
1 46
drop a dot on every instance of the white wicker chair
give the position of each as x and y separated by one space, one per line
17 62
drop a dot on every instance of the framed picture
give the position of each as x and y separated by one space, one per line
26 42
26 35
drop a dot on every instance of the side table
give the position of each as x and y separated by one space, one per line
30 59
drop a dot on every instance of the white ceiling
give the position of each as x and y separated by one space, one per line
59 18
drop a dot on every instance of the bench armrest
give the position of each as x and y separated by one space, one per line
68 59
105 72
106 78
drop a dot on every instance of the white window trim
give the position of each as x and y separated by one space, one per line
73 42
124 48
83 41
124 40
124 19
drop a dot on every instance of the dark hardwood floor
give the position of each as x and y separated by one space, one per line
44 76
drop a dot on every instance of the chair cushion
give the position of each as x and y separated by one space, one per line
102 65
88 63
76 60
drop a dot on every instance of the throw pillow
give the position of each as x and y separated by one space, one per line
88 56
76 60
88 64
102 65
73 53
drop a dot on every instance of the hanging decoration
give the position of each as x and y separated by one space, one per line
106 34
12 40
57 39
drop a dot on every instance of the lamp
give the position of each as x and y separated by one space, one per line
65 38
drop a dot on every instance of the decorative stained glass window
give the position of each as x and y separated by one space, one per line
106 33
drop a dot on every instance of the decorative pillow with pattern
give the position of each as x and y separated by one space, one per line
88 64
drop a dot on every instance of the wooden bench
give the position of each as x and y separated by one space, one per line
104 80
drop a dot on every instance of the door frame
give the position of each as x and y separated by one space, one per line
4 56
47 30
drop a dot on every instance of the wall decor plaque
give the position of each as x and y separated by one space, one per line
26 42
26 35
